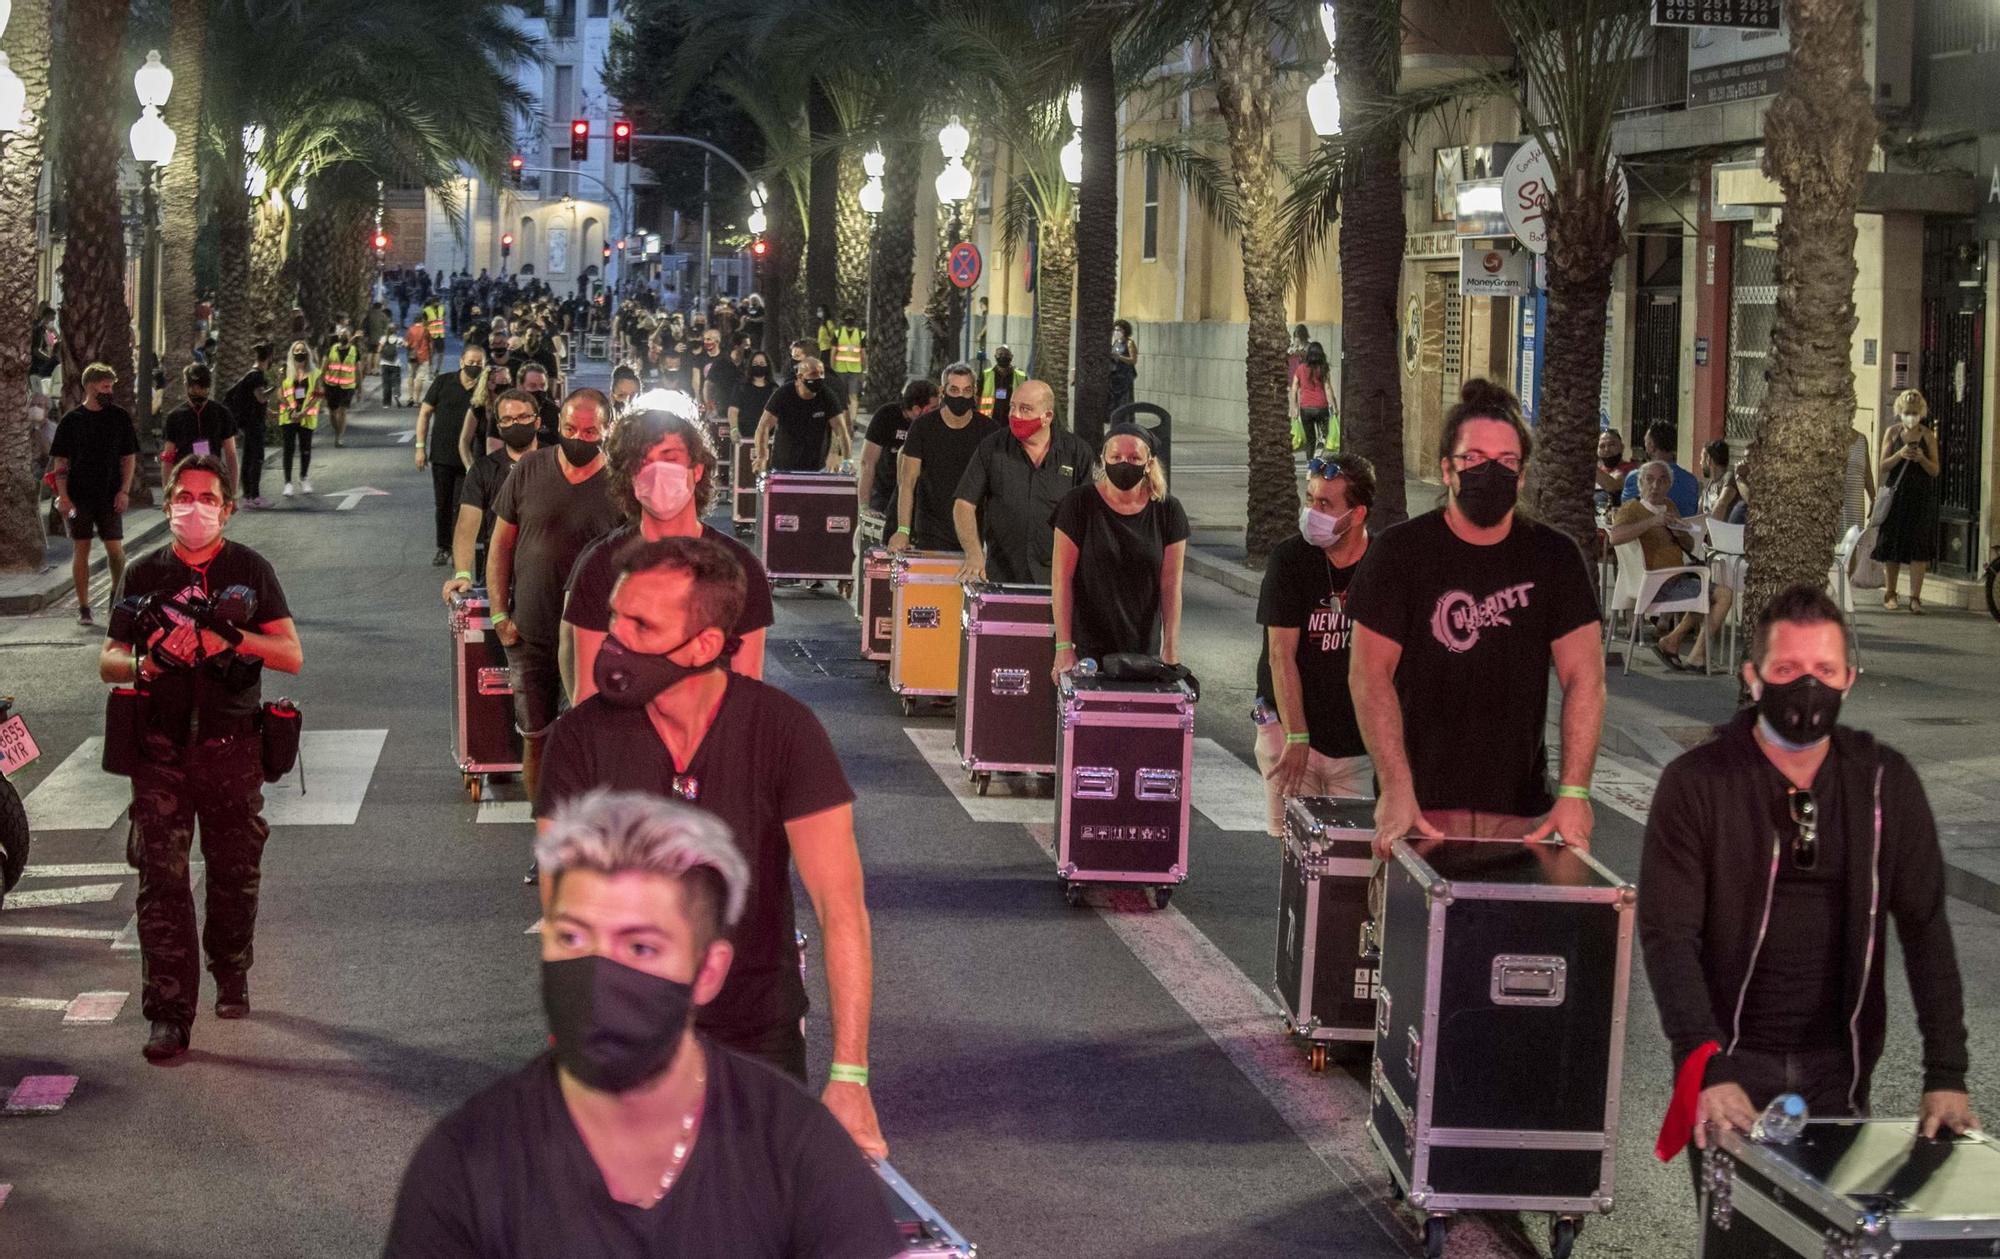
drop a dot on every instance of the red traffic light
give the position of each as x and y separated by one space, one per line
579 140
621 244
607 253
381 241
760 247
506 240
621 140
514 166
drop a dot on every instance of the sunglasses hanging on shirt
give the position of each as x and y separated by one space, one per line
1805 817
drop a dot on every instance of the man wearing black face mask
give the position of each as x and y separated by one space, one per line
939 445
1772 854
535 380
519 436
670 719
1465 608
888 429
440 421
635 1134
808 422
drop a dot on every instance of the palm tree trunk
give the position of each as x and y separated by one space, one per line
851 243
96 322
944 312
1818 138
316 266
232 210
1055 290
1097 246
893 273
270 294
784 294
1371 255
822 269
180 184
27 47
1245 86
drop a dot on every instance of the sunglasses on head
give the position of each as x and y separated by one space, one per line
1805 816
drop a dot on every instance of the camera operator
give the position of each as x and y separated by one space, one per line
200 752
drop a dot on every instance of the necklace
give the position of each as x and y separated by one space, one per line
686 1141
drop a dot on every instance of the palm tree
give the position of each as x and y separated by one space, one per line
893 265
180 183
1097 241
26 44
96 323
1818 137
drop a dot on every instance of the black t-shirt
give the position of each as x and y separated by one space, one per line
1115 594
750 400
805 429
450 399
188 424
94 442
1797 989
719 375
482 490
1016 499
764 762
945 451
229 686
557 519
1303 591
772 1173
596 572
242 398
1476 624
886 429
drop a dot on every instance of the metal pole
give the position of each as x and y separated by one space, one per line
149 280
702 288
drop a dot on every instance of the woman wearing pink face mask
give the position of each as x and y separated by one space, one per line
663 476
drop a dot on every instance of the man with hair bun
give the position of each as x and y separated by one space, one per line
1458 615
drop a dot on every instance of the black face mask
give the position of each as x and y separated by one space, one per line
814 387
1003 364
1124 475
632 679
1487 493
1800 712
517 436
615 1028
578 451
957 405
760 373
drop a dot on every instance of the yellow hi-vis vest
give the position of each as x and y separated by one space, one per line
434 320
340 367
302 411
988 398
847 356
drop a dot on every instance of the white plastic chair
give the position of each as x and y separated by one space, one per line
1729 562
1639 592
1840 579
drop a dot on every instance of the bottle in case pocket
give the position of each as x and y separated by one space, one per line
1326 968
1123 764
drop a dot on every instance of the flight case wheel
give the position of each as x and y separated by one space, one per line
1072 894
981 781
472 787
909 706
1435 1229
1316 1056
1161 895
1562 1236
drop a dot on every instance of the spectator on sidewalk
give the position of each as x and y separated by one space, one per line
1120 543
389 354
1009 493
1661 445
940 444
1308 741
199 426
1295 353
1310 401
1910 469
95 453
248 401
1463 610
300 396
1124 365
423 349
1770 878
1611 470
1665 540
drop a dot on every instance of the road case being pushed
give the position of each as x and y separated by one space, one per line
868 535
743 483
484 739
722 440
926 1235
1006 683
1326 959
877 595
805 525
926 601
1853 1188
1123 764
1500 1030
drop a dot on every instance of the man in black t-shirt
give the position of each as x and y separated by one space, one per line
95 453
1308 741
809 423
670 719
1458 615
479 497
198 427
636 1135
881 448
440 422
718 375
535 380
1007 498
939 446
247 400
198 749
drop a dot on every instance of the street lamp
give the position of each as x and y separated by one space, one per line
1072 153
13 92
757 222
954 185
1323 97
152 147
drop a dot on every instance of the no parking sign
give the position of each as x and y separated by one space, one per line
963 264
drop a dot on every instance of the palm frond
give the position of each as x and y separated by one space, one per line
1205 176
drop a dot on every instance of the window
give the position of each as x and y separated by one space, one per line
1149 233
562 19
559 183
563 107
600 8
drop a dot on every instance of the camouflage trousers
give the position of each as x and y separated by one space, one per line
220 783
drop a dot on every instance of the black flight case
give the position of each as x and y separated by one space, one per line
1006 683
805 525
743 483
484 739
1326 956
1123 765
1500 1030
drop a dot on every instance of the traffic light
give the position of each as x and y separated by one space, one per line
506 244
621 141
579 140
759 247
607 253
514 167
381 241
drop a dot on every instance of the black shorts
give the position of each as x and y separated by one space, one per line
90 519
536 676
337 398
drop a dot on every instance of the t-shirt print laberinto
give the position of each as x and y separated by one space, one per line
1476 625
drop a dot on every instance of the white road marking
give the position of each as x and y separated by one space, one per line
48 897
80 796
348 498
534 930
1624 786
84 870
999 806
33 1003
1226 791
61 933
504 811
94 1007
406 437
40 1095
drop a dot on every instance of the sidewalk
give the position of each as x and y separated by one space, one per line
23 594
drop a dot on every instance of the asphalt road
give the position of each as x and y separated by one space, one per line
1104 1081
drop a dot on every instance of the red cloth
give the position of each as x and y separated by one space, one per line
1684 1109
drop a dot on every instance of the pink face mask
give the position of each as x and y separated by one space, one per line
664 489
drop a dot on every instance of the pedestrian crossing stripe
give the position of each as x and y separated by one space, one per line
49 897
80 796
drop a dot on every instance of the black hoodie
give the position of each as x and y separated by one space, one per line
1706 881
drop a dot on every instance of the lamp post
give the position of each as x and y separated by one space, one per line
152 148
873 164
13 92
1323 97
954 185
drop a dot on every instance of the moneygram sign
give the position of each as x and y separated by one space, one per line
1500 269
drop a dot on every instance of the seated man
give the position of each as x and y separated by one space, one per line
1655 523
635 1135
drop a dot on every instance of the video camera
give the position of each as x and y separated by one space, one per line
139 619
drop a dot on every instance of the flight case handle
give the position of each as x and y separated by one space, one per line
1520 979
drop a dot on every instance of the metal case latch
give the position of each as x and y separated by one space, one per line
1157 784
923 617
784 524
1093 782
1008 682
1413 1056
495 682
1523 980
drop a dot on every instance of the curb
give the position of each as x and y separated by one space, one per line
1223 571
23 594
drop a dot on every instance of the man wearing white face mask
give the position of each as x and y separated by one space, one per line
1308 740
663 477
201 753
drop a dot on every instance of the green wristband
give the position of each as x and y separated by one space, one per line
847 1073
461 574
501 618
1298 738
902 528
1065 646
1567 792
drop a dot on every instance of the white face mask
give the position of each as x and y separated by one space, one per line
1320 528
195 526
664 489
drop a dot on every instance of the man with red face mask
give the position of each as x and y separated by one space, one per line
1010 489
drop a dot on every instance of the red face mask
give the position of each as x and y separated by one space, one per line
1024 430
